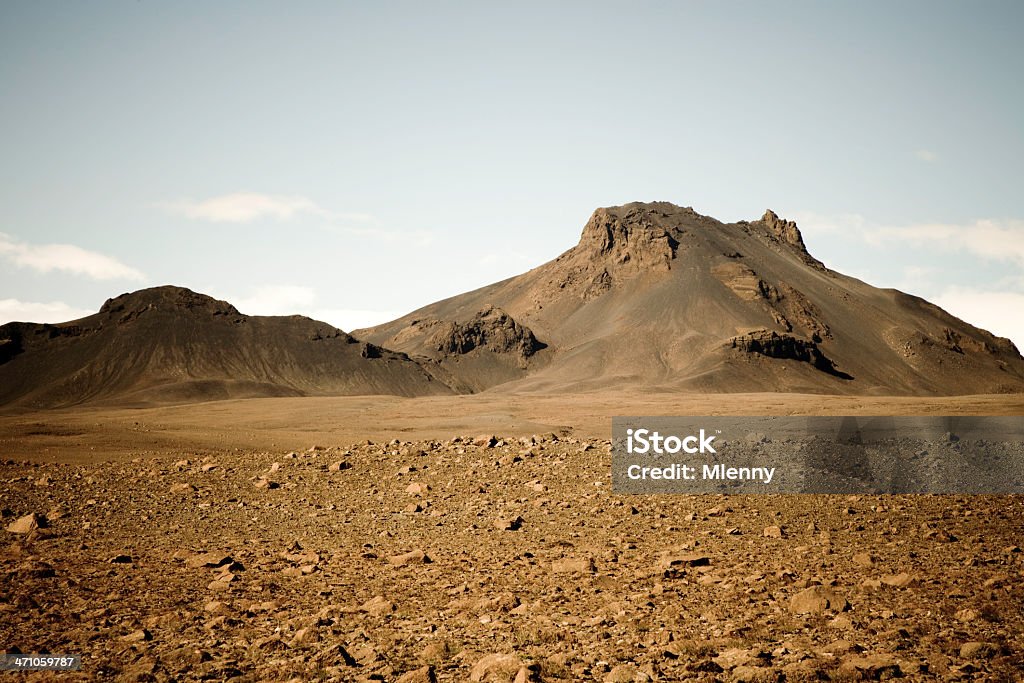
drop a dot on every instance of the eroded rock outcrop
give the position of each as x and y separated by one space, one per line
785 346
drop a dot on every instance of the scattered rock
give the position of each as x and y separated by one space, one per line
508 524
818 599
978 650
422 675
437 652
27 524
669 560
872 668
411 557
499 668
138 636
580 565
901 580
626 673
210 559
864 559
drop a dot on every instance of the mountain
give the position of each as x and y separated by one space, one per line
654 297
659 297
172 344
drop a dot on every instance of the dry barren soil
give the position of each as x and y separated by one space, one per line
477 538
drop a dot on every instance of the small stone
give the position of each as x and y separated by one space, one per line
378 605
817 599
669 560
339 466
864 559
27 524
968 614
137 636
437 652
506 524
978 650
210 559
417 488
264 483
411 557
485 441
496 668
120 559
217 607
304 636
872 668
424 674
626 673
901 580
773 532
581 565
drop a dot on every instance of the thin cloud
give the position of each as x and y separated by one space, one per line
992 240
69 258
926 155
988 239
275 300
244 207
349 319
300 300
248 207
38 312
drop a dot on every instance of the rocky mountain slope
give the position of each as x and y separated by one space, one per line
659 296
654 297
172 344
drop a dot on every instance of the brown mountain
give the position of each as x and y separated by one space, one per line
654 297
172 344
660 297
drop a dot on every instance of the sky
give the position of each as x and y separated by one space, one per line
353 161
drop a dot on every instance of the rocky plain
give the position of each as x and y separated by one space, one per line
194 493
490 558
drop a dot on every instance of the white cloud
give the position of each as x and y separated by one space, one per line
989 310
275 300
349 319
926 155
988 239
298 300
993 240
38 312
66 257
244 207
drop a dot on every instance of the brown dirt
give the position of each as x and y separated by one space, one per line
266 540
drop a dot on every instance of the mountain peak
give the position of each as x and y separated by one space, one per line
167 298
783 229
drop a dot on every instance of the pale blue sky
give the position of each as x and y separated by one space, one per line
353 161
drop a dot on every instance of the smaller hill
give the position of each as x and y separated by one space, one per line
172 344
